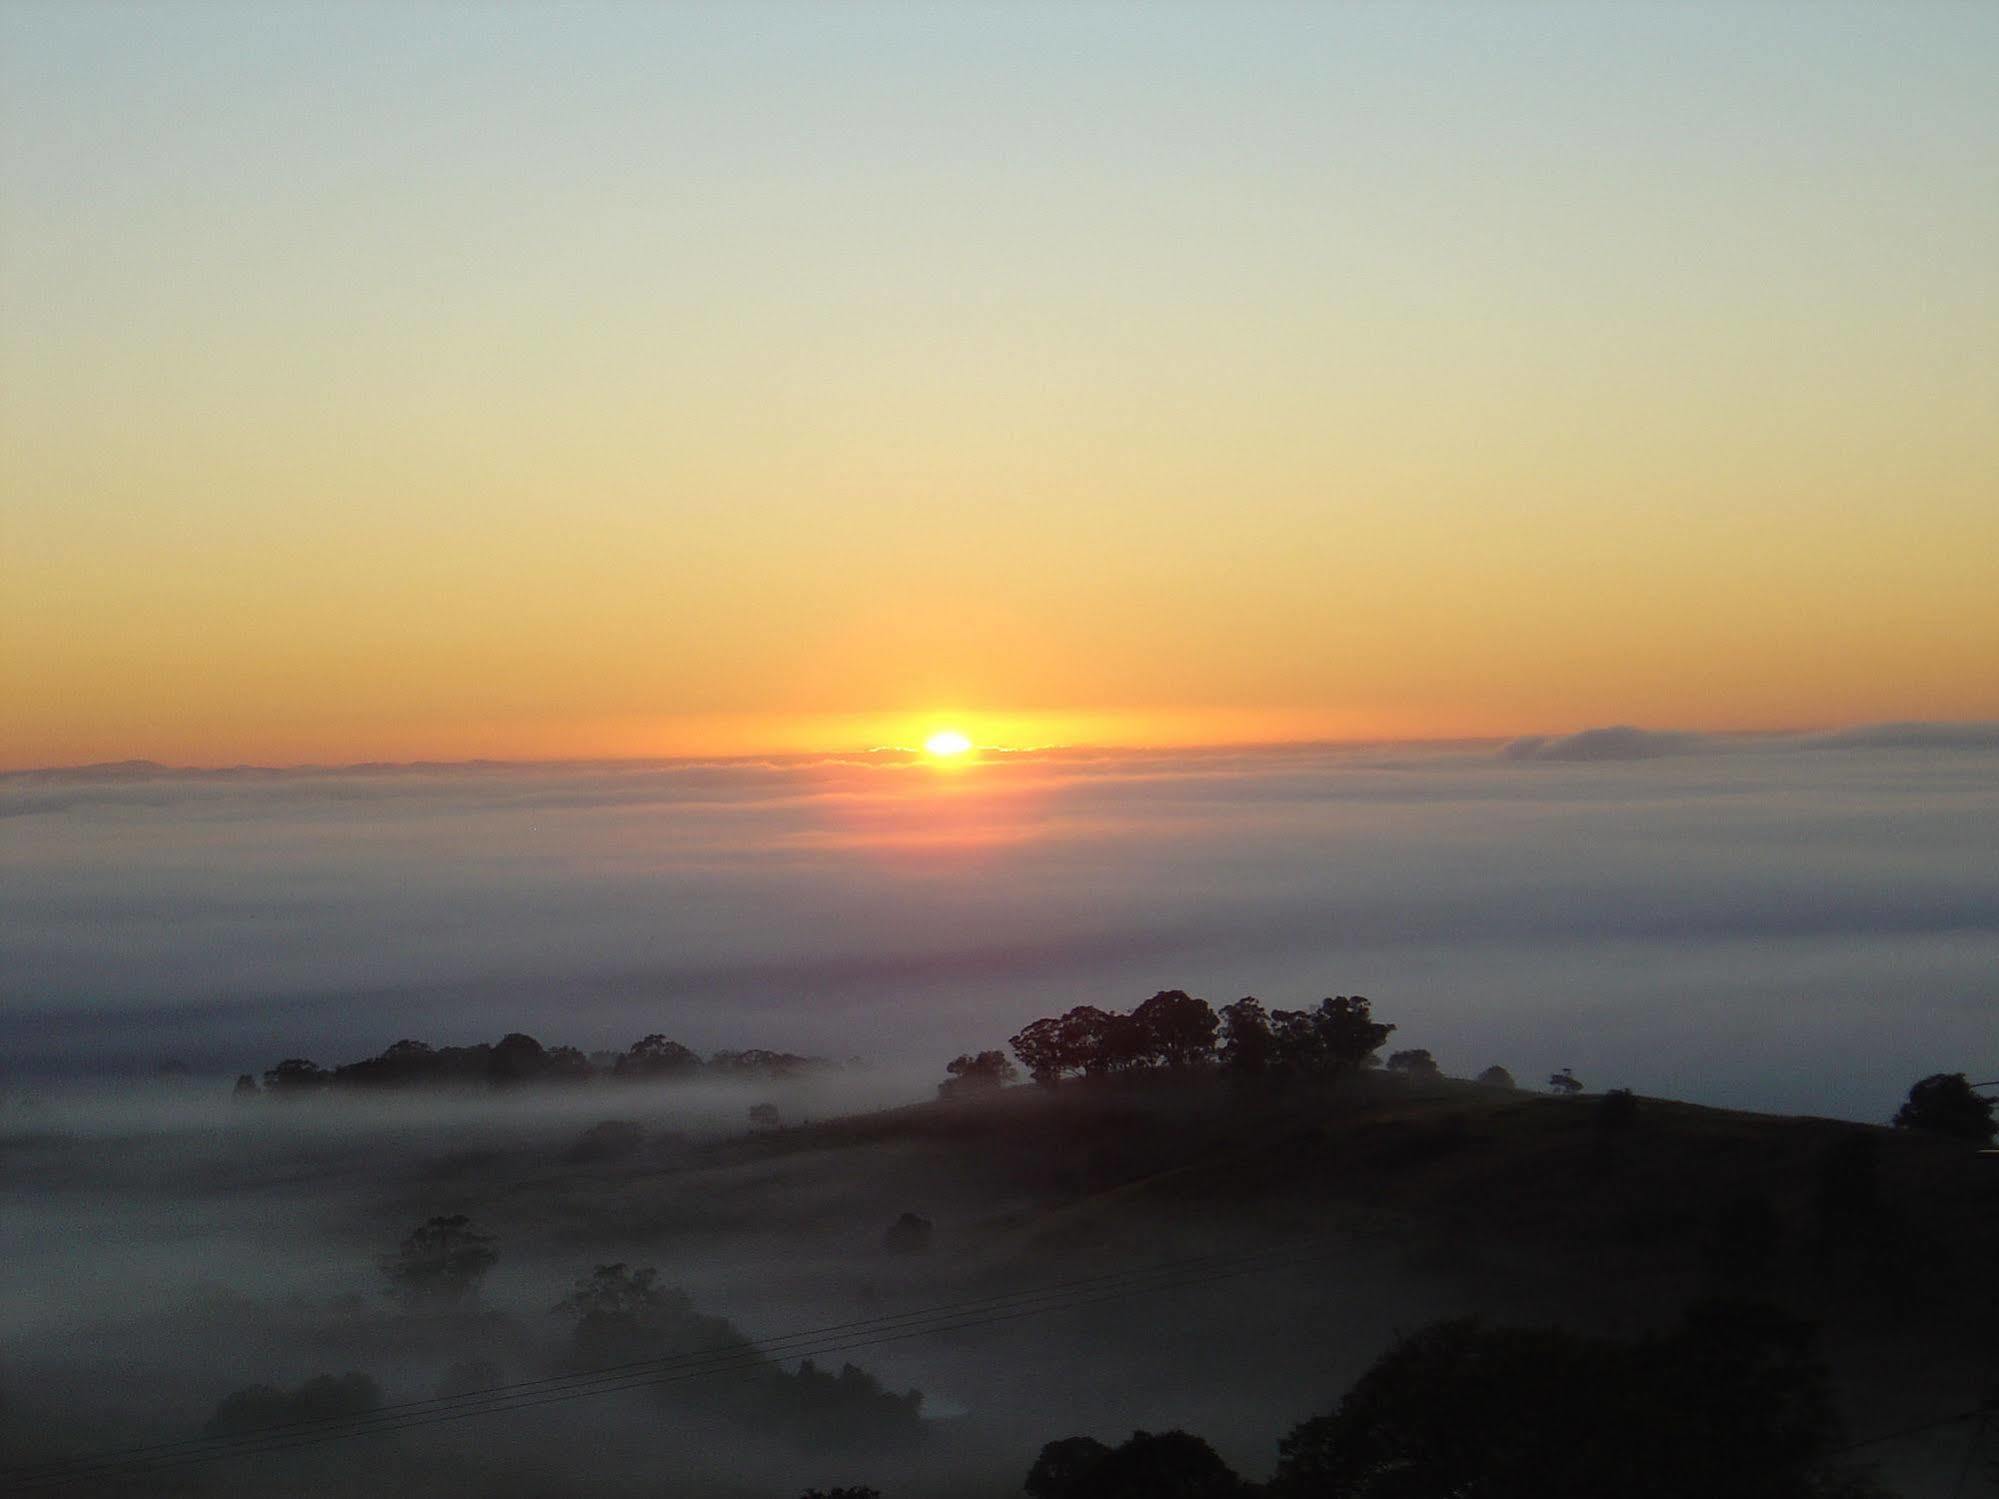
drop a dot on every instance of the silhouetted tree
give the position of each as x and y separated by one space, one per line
1564 1083
976 1074
654 1057
1945 1103
1061 1465
1147 1465
1417 1064
1176 1029
1041 1051
1085 1039
622 1314
324 1397
517 1059
849 1409
1732 1405
565 1064
1247 1042
768 1065
439 1264
1341 1035
295 1075
764 1116
1087 1043
909 1234
1497 1077
246 1086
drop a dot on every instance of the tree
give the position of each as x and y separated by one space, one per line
1040 1049
294 1076
1496 1077
324 1397
1176 1029
1416 1064
1247 1042
1148 1465
246 1086
909 1234
654 1056
439 1264
1061 1465
1339 1036
759 1063
565 1064
1351 1034
976 1074
764 1116
1945 1103
621 1315
517 1059
1086 1041
1564 1083
1734 1404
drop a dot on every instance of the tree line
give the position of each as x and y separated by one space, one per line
517 1059
1174 1032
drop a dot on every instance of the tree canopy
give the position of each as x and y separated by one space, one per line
1733 1404
1177 1032
439 1264
1945 1103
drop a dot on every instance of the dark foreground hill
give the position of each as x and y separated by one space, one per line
1174 1250
1437 1197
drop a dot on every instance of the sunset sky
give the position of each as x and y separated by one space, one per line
430 381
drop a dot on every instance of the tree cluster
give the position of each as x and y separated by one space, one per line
976 1074
1732 1404
1175 1032
518 1059
324 1397
621 1315
1946 1103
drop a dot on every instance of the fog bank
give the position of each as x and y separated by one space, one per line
1802 923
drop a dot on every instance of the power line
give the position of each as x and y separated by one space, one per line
713 1362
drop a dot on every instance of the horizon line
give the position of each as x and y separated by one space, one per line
140 766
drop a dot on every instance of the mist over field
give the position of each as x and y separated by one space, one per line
1798 923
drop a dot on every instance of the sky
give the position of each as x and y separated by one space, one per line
389 382
1792 923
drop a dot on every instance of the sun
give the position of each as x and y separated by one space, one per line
947 744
